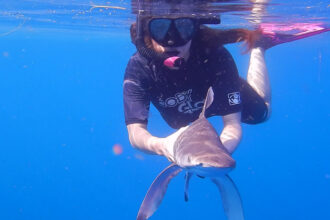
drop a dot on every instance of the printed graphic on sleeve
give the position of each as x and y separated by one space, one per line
234 98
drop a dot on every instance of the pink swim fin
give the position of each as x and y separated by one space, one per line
275 34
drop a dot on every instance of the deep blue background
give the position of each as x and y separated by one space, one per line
61 113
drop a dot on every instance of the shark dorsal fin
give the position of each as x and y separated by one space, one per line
208 101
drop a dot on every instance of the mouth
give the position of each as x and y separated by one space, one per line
172 53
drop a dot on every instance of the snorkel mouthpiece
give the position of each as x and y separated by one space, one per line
193 9
174 62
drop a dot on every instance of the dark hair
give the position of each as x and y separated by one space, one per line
210 37
146 36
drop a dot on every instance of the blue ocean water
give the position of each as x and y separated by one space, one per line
61 113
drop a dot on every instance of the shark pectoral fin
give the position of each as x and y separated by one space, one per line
231 199
156 192
186 187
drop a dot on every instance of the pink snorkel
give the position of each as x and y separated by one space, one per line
173 62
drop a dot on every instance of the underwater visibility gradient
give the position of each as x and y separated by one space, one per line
65 152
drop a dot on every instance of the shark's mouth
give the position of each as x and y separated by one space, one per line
203 171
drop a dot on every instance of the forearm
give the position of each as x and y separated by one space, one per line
141 139
231 137
231 134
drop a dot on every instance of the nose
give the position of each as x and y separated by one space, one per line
170 42
172 36
222 161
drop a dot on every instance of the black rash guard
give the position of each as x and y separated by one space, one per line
179 94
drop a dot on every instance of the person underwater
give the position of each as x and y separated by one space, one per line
178 58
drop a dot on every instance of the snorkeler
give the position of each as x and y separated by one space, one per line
178 59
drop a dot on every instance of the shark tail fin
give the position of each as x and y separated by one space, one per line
157 191
208 101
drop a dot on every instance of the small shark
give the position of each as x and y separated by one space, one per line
198 150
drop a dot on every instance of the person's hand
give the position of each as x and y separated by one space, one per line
169 141
249 38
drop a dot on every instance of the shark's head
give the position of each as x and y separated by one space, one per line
211 165
199 149
221 160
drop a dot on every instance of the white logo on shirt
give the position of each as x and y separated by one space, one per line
234 98
183 101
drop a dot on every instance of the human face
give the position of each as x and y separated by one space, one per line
172 32
182 51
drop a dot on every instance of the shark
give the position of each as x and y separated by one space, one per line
198 151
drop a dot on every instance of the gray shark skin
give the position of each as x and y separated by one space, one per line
198 150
